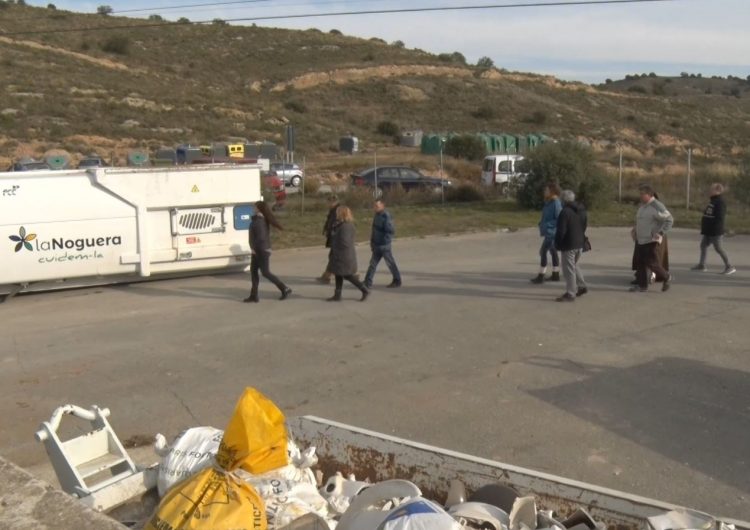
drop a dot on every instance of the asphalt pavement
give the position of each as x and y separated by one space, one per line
647 393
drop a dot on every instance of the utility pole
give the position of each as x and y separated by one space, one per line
442 177
619 194
375 154
689 175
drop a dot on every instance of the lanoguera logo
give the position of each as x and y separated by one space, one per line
23 240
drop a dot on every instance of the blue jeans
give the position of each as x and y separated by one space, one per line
548 245
379 253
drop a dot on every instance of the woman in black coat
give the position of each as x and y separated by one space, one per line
342 261
260 244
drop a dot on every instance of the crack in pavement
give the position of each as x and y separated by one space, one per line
184 405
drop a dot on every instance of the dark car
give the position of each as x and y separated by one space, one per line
29 164
391 176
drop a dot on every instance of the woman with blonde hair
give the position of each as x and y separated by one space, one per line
342 261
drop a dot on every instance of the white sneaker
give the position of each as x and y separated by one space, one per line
729 270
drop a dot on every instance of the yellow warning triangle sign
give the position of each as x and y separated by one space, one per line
195 189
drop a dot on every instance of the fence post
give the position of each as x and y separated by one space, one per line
689 174
619 193
304 178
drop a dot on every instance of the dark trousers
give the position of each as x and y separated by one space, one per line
548 245
647 261
352 278
379 253
262 262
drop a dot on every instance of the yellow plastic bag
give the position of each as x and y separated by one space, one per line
256 437
214 499
210 500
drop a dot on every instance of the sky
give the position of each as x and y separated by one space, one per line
583 43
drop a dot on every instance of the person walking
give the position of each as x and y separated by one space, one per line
380 244
333 204
570 238
260 244
712 230
652 222
342 261
547 229
662 254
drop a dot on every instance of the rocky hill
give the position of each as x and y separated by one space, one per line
84 82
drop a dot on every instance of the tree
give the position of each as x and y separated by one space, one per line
218 22
104 10
398 44
155 18
485 62
570 164
51 6
466 146
458 57
183 20
387 128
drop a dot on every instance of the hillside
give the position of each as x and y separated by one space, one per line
112 88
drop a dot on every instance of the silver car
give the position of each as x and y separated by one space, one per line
290 174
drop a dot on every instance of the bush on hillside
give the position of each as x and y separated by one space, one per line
295 106
466 146
104 10
311 185
464 192
118 44
387 128
485 62
570 164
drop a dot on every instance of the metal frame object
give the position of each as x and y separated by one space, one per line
95 466
378 457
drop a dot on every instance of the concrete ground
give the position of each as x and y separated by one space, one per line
646 393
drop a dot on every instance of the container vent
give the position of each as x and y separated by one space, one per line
197 221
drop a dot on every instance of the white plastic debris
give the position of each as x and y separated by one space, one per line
523 514
373 504
682 520
340 491
480 515
419 514
193 450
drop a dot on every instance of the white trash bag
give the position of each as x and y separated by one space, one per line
192 451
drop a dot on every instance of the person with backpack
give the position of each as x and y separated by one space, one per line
712 230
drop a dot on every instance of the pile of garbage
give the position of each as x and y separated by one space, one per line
253 476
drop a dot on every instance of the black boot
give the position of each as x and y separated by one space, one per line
336 296
285 293
253 298
538 279
555 277
365 294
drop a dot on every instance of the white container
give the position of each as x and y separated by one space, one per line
105 225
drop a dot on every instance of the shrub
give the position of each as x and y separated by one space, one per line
368 58
183 20
539 117
104 10
608 81
295 106
311 185
458 57
118 44
485 62
51 6
638 89
85 46
387 128
657 89
464 192
155 18
735 92
357 197
466 146
484 112
570 164
335 32
398 44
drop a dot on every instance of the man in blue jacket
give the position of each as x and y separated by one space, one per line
547 229
380 244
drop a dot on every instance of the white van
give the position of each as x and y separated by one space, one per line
500 169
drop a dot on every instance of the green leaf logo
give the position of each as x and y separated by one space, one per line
23 240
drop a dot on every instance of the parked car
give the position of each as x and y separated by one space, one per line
390 176
502 170
291 174
91 161
28 164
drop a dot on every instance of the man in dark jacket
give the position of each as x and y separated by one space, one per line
569 240
333 204
380 244
712 229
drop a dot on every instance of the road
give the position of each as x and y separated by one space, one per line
646 393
